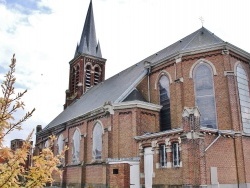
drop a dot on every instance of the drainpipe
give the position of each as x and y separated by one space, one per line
214 141
148 73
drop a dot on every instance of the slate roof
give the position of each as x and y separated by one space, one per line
118 87
88 43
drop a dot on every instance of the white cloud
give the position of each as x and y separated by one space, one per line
128 31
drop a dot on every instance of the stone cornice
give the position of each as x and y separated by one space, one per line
137 104
158 134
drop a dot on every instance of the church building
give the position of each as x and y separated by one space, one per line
180 118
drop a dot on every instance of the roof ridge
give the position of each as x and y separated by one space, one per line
196 33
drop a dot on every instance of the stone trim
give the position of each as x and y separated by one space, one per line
137 104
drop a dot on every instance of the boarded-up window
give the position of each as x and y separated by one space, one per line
60 144
97 141
243 89
204 95
76 146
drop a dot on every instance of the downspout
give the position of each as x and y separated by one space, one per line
214 141
148 73
175 71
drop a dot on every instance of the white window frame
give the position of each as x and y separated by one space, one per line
163 155
176 154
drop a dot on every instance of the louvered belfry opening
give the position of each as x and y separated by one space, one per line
88 77
73 84
77 78
96 76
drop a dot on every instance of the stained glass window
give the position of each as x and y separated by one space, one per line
204 95
243 89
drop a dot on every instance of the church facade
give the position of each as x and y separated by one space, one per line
178 118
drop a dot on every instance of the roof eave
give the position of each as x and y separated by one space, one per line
219 46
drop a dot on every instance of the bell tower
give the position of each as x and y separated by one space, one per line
87 68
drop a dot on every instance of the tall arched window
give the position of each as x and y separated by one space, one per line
97 141
88 77
165 117
60 143
204 95
46 144
243 89
76 146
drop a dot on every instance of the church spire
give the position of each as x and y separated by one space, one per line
88 43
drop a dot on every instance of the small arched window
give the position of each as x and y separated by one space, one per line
88 77
96 76
243 89
60 144
165 117
76 146
204 95
97 141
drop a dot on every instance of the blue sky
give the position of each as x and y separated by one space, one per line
26 7
43 35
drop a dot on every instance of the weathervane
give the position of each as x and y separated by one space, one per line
202 20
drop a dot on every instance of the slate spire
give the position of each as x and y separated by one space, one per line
88 43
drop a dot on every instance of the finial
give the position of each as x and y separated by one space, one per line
202 20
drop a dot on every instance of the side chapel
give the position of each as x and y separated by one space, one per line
178 118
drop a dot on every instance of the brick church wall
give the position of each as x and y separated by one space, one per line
246 149
119 175
221 155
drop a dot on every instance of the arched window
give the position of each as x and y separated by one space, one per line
88 77
96 76
46 144
165 117
76 146
97 141
243 89
60 143
204 95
